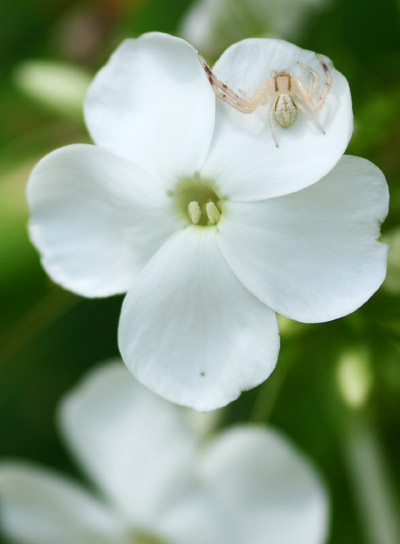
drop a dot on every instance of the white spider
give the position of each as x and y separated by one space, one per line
283 91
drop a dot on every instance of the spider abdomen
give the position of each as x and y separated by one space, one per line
285 110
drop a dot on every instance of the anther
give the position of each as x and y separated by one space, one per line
213 213
194 212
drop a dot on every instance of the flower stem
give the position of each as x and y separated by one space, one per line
371 482
268 394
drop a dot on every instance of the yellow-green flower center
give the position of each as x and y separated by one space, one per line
197 199
140 537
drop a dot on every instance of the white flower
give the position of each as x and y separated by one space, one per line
294 229
211 25
158 483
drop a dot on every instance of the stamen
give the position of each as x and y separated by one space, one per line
213 213
194 212
197 201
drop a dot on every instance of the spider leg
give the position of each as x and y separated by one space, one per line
328 82
243 108
261 95
245 95
305 94
271 122
315 83
247 105
224 92
263 92
308 114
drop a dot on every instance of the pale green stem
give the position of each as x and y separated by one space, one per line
268 394
374 493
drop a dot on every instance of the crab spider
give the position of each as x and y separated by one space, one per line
284 92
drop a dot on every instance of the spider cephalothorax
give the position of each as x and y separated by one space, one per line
284 92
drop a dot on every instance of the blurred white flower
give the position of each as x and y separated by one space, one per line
354 377
57 85
212 25
157 483
211 229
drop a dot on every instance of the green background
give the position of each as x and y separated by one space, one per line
49 337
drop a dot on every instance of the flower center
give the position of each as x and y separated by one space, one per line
198 200
145 538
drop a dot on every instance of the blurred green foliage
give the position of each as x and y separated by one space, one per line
49 337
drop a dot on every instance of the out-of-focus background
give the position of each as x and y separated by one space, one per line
336 389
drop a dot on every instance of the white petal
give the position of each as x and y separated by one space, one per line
96 219
197 520
190 331
135 445
244 158
40 507
255 488
153 104
312 256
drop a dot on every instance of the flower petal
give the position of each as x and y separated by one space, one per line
153 104
39 507
256 488
312 256
190 331
244 159
96 219
135 445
